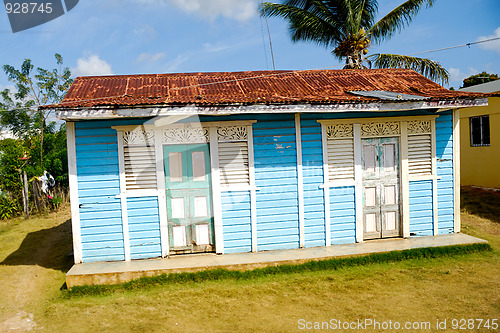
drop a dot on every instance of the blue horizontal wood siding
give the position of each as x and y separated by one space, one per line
421 212
444 155
98 185
276 180
342 215
144 227
237 228
314 196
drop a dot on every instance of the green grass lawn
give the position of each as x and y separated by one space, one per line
33 256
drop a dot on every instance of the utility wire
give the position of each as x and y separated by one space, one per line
260 76
269 34
457 46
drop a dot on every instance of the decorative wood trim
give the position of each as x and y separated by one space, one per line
434 180
253 194
233 133
326 190
405 184
416 127
185 134
300 180
339 131
358 182
162 197
374 119
73 193
216 191
380 129
203 124
123 198
456 169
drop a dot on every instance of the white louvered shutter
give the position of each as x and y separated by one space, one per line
419 155
340 159
233 163
139 161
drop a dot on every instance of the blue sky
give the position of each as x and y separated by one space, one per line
162 36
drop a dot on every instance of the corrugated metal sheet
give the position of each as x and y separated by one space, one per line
289 87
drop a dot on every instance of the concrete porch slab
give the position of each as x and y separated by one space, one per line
120 271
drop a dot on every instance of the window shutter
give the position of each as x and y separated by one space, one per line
340 159
233 163
419 155
139 160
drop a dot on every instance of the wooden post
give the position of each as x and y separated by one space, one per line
26 195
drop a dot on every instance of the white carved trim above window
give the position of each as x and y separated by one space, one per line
185 134
232 133
139 137
419 127
375 129
337 131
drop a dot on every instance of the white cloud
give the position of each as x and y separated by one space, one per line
493 45
457 76
92 65
240 10
174 64
212 48
149 57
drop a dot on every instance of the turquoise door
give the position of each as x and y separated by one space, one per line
189 201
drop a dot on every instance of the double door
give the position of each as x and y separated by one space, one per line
189 201
381 184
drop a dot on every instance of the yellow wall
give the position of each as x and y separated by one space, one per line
480 165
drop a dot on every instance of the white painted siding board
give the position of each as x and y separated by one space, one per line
358 189
253 193
456 170
162 199
216 191
73 191
404 179
326 189
300 180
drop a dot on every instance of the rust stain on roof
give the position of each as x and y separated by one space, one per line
252 87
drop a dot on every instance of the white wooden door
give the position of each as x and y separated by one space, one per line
381 208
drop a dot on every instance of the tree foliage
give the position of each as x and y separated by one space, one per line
479 78
38 145
349 27
20 109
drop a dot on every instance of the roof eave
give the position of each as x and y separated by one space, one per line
113 112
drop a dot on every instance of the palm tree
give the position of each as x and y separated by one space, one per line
349 27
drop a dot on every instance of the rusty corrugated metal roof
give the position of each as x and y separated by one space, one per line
252 87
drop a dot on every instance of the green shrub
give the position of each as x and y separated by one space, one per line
8 208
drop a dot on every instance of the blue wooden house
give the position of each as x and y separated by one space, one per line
254 161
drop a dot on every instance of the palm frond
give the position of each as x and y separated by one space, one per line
397 19
310 20
431 69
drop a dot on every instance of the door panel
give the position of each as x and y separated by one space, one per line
189 201
381 212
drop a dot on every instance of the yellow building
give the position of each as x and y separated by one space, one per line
480 139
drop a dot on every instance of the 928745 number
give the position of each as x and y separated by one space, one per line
28 8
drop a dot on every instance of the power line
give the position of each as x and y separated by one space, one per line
457 46
260 76
269 34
